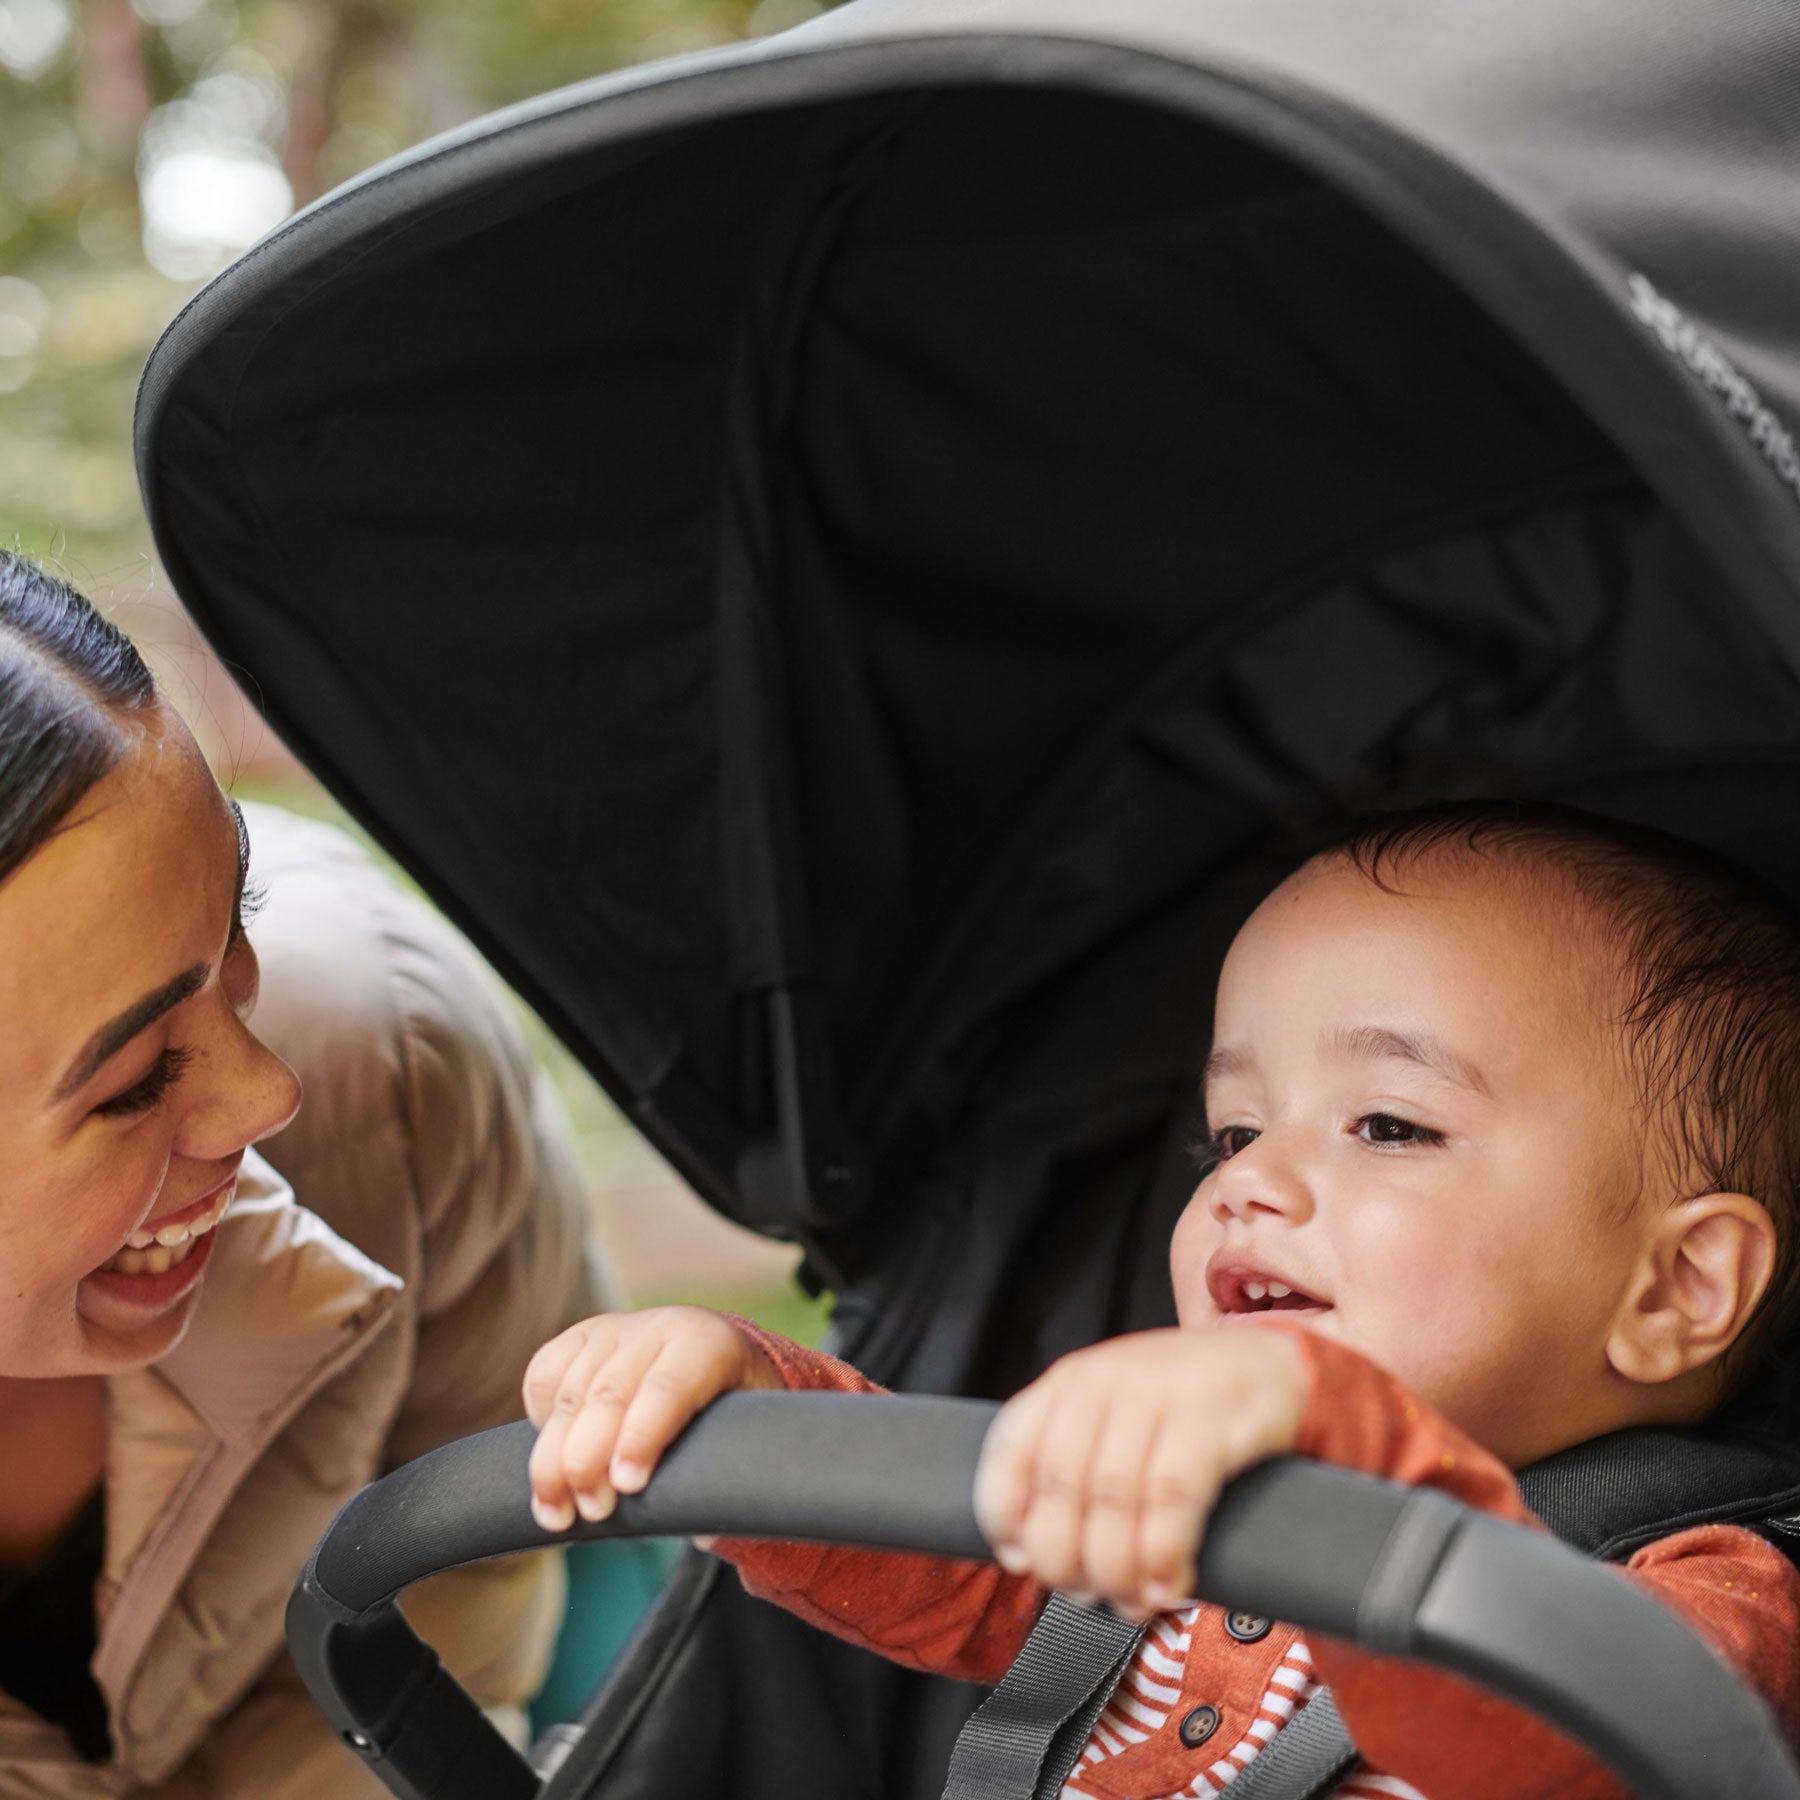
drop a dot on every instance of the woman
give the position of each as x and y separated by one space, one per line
196 1371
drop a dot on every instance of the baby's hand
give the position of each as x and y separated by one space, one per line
611 1394
1099 1477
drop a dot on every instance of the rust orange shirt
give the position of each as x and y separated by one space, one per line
1423 1733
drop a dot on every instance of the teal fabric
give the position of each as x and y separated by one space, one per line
610 1587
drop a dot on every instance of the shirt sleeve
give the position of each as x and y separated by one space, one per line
938 1614
1445 1736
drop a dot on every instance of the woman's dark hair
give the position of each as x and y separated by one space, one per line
66 676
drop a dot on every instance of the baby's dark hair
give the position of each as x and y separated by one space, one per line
1710 957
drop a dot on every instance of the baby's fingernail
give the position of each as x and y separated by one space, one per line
628 1476
1012 1560
595 1507
557 1515
1159 1596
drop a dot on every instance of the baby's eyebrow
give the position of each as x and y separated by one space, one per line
1378 1043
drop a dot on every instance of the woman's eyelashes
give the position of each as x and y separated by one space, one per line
147 1092
250 901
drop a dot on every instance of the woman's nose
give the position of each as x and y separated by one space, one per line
249 1093
1261 1178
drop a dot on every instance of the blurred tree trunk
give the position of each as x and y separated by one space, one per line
112 84
312 95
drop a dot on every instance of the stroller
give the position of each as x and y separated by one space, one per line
848 564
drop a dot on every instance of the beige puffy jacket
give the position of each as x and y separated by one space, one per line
438 1240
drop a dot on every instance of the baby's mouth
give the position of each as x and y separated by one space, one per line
169 1246
1241 1293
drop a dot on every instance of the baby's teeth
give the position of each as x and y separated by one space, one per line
1279 1290
1256 1290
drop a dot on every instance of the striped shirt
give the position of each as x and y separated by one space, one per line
1149 1697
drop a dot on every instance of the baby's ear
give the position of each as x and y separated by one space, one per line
1707 1263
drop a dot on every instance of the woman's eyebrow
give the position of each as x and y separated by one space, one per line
113 1036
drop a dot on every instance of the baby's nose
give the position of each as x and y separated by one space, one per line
1260 1179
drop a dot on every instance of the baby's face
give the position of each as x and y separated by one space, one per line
1429 1134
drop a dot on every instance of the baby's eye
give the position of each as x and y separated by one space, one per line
1221 1145
1388 1128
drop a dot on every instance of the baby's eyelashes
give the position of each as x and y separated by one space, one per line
1228 1140
1389 1129
1212 1147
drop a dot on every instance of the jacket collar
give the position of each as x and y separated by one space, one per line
284 1294
287 1306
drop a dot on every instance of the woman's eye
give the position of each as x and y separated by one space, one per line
1388 1128
145 1093
252 897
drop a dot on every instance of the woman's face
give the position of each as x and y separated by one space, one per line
129 1082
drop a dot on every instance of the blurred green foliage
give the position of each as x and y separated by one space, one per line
95 93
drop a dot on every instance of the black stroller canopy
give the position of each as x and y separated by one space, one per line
850 562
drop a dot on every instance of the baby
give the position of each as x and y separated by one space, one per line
1503 1120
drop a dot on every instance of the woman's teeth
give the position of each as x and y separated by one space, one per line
155 1253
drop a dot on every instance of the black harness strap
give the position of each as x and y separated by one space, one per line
1025 1736
1307 1758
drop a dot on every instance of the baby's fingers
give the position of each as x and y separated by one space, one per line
1048 1537
1182 1477
1112 1528
575 1442
544 1373
688 1373
1004 1475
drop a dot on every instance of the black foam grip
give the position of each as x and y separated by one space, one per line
889 1471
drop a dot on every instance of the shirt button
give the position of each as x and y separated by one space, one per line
1199 1725
1248 1627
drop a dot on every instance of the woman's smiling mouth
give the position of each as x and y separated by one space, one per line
169 1242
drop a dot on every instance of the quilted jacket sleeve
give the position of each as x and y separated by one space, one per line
431 1140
